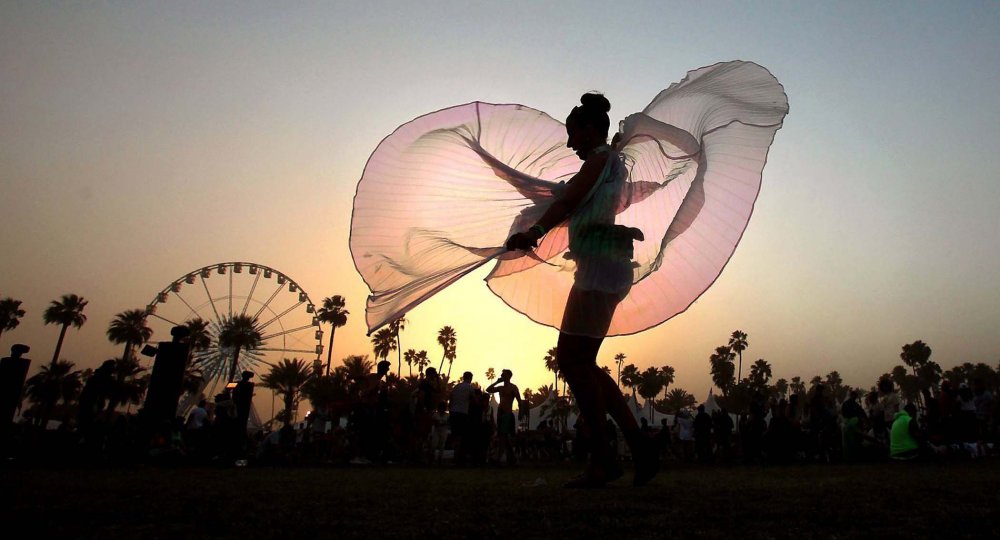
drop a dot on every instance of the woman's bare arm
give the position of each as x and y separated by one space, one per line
576 189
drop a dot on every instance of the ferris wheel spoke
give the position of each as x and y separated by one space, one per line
193 310
285 333
253 287
249 360
211 365
269 299
164 319
202 356
211 391
210 301
280 315
299 329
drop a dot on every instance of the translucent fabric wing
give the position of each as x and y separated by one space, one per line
440 196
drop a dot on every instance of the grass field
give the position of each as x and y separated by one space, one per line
957 500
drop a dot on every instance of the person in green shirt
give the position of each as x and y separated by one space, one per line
904 437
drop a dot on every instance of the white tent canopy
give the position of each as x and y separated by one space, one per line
711 405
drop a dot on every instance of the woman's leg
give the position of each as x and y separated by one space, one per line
575 364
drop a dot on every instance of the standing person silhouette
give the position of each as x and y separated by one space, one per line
506 423
602 252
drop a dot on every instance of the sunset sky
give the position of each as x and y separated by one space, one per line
141 141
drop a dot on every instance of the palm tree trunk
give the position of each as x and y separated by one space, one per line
329 350
126 354
739 373
62 335
450 362
399 358
236 362
289 399
441 365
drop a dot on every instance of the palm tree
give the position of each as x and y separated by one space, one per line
930 374
356 369
667 374
451 361
410 356
447 339
241 333
542 393
677 399
781 388
490 374
650 386
421 360
332 312
738 344
396 326
630 378
838 390
199 337
909 385
10 314
66 311
325 390
915 355
383 342
619 361
51 383
287 378
760 374
129 327
128 383
552 364
797 386
721 362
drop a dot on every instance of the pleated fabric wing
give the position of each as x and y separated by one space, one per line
440 196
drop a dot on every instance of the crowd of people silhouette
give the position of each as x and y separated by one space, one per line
437 423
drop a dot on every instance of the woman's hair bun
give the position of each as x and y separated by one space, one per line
595 101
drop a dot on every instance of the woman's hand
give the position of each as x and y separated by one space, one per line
522 241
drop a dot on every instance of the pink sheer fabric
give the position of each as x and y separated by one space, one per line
440 196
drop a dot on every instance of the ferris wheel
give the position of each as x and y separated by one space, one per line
282 316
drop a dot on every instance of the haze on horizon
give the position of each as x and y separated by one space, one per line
141 142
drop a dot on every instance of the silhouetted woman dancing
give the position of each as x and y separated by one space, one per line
602 252
613 247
